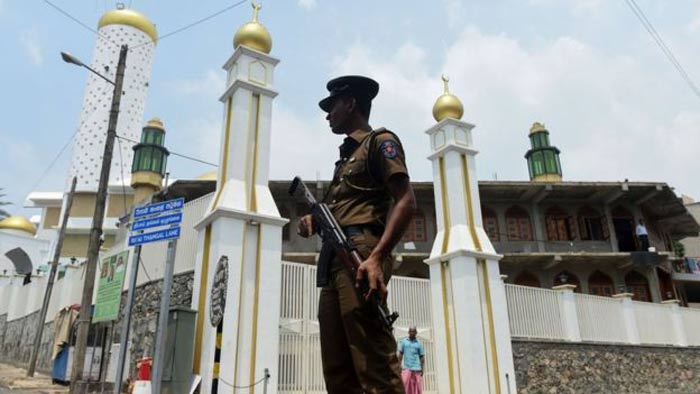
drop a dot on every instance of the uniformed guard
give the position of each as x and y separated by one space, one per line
358 351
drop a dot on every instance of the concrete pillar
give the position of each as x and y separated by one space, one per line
631 330
473 351
567 310
611 228
677 323
539 228
240 240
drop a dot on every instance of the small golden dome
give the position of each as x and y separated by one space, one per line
253 34
19 223
209 176
447 105
155 123
537 127
123 16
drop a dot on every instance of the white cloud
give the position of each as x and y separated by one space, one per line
455 13
694 26
307 4
210 83
32 47
597 106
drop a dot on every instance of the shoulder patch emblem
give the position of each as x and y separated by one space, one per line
389 149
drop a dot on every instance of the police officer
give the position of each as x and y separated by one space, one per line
358 352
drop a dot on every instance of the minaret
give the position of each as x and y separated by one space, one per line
150 161
472 337
116 27
542 159
238 272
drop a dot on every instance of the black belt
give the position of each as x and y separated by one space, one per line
357 229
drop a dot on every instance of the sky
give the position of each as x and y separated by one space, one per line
587 69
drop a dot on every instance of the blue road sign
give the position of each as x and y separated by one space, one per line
158 208
157 221
160 235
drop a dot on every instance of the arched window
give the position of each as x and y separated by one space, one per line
600 284
638 285
416 231
525 278
518 225
567 278
560 225
592 225
488 216
284 212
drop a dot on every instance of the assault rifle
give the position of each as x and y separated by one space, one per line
330 232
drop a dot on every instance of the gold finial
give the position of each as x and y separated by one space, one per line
256 9
537 127
447 105
446 81
253 34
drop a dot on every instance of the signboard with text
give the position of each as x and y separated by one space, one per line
109 287
166 214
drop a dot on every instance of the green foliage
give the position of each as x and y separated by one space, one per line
3 213
679 248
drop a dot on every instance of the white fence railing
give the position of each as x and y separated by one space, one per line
654 322
691 325
534 313
300 368
545 314
600 319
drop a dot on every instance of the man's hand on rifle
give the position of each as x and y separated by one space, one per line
371 269
306 226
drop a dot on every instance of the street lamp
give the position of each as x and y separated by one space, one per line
84 318
68 58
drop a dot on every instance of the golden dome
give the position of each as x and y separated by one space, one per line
537 127
155 123
123 16
253 34
209 176
19 223
447 105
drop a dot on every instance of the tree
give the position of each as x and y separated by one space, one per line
3 213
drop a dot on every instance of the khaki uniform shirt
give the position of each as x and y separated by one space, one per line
358 194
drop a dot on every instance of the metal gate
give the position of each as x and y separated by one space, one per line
300 349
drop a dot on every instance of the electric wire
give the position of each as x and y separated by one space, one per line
144 269
174 153
121 170
662 45
193 24
166 35
79 22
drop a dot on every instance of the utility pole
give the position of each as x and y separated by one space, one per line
52 276
85 316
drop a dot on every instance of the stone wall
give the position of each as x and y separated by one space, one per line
548 367
144 315
17 336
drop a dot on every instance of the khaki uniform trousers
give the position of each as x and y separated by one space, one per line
357 351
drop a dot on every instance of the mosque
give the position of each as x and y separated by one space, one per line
472 248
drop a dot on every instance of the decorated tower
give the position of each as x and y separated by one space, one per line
472 339
238 272
115 28
150 160
542 159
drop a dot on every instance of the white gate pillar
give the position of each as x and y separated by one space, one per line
238 273
473 351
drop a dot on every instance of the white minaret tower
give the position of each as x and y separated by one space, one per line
116 27
238 272
472 337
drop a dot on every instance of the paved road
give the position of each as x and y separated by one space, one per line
15 380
